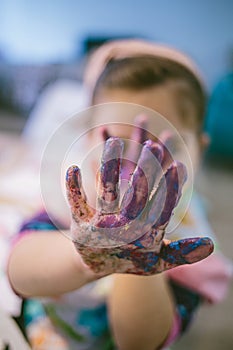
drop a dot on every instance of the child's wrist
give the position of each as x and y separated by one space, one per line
88 275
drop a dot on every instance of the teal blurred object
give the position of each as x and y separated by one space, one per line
219 118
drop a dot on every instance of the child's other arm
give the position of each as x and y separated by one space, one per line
46 263
141 311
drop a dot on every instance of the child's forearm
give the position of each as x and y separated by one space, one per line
141 311
46 264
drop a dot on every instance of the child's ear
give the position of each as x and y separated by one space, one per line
204 141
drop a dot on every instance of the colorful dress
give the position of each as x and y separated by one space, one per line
79 320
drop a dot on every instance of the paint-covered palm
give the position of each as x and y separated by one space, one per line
125 234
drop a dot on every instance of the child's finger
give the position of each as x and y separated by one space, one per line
137 138
168 141
167 195
185 251
143 179
140 134
175 178
108 186
76 196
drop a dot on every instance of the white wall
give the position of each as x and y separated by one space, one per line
49 31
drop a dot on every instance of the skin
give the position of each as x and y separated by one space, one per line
135 303
140 304
105 237
150 296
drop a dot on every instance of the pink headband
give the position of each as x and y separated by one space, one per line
130 48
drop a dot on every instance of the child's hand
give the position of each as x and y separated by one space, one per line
127 236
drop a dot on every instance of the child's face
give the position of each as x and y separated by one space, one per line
160 99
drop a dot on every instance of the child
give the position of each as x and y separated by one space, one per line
146 312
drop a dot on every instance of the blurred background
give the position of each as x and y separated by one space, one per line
44 42
41 41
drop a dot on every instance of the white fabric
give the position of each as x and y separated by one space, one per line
58 102
10 333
